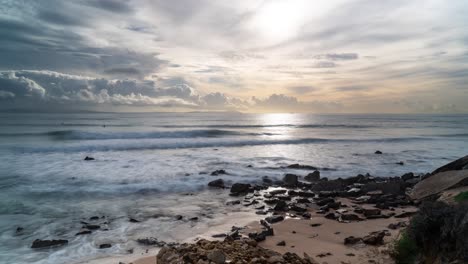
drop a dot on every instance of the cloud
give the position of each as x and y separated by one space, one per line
302 89
352 88
118 6
338 56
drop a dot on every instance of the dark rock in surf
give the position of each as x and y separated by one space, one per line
219 183
238 188
312 177
407 176
102 246
301 167
290 180
38 243
400 163
83 232
88 158
91 227
378 152
133 220
218 172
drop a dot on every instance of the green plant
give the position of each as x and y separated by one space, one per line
405 250
463 196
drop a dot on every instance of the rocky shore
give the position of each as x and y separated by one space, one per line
309 219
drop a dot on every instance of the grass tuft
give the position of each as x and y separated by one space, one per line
405 250
463 196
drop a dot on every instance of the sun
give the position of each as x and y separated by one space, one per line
280 20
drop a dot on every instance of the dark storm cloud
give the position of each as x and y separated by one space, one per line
58 18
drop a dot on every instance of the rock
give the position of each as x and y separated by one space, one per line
459 164
371 212
267 180
331 216
234 202
374 238
38 243
290 180
407 176
83 232
298 208
217 256
178 217
238 188
350 217
378 152
282 243
88 158
218 172
306 215
19 230
151 241
397 225
352 240
281 206
301 167
105 246
133 220
94 218
312 177
219 235
219 183
195 218
315 225
274 219
438 183
91 227
400 163
325 201
303 200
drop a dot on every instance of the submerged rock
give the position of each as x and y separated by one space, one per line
378 152
102 246
301 167
218 172
88 158
38 243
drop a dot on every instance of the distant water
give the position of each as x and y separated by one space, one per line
154 166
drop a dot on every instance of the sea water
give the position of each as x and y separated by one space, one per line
154 166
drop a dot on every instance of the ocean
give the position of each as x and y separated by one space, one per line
154 166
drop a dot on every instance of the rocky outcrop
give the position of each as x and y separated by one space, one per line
219 252
459 164
239 188
290 180
313 176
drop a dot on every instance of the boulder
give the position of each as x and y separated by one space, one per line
371 212
374 238
274 219
407 176
219 183
438 183
88 158
105 246
281 206
378 152
240 188
290 180
38 243
312 177
352 240
217 256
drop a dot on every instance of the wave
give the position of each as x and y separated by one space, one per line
145 145
85 135
267 126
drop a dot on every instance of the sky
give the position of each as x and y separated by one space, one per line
334 56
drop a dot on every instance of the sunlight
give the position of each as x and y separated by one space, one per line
280 20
